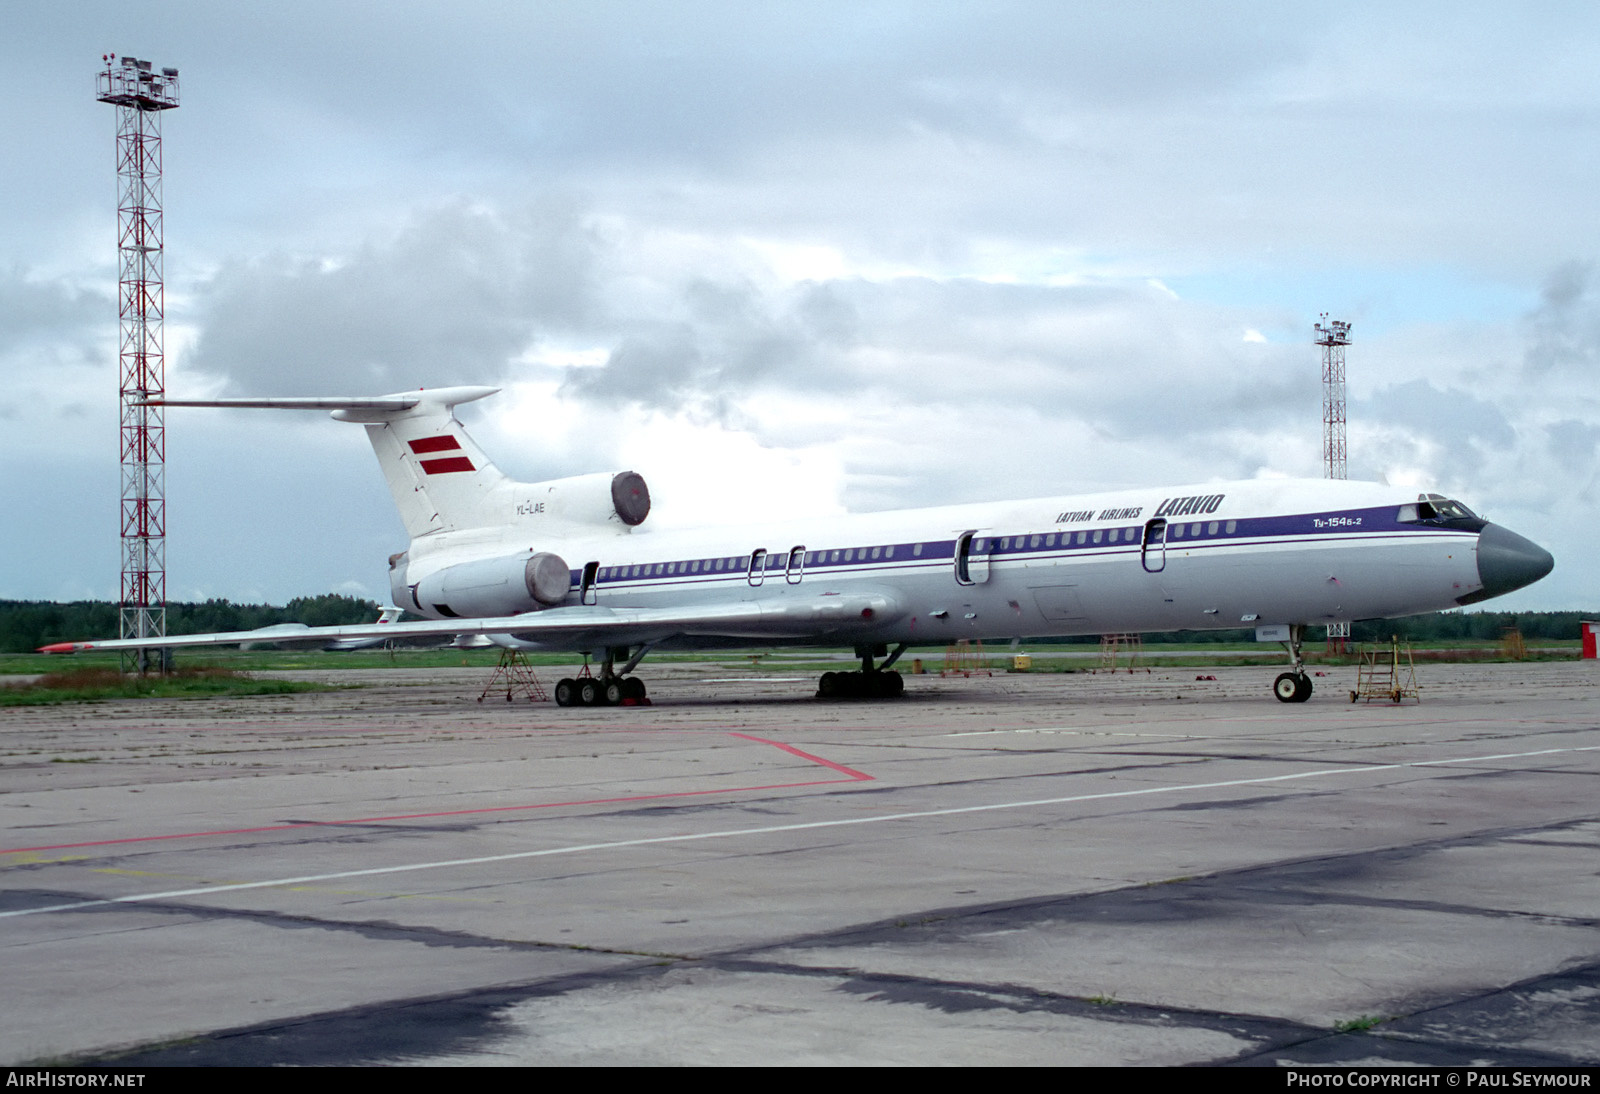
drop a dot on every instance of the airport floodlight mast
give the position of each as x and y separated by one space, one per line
140 95
1333 337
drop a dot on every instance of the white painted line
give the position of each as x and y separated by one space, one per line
1327 772
756 680
1089 733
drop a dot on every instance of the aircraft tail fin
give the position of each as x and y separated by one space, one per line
440 479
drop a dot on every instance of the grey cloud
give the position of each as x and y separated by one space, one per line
827 314
660 368
1565 327
1124 361
1572 443
733 340
1467 428
452 297
64 324
707 80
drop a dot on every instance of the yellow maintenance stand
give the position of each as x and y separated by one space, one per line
1382 674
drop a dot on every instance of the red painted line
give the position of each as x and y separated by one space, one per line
446 465
853 776
435 444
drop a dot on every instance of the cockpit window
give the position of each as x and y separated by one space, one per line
1435 509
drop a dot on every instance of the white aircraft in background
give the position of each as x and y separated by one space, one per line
565 565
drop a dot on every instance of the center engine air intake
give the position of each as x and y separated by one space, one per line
630 497
600 499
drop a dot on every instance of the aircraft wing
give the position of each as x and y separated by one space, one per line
790 617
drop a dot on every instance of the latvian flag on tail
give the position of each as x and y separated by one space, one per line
443 464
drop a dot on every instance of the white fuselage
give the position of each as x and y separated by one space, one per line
1215 556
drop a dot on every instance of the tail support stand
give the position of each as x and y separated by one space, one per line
516 674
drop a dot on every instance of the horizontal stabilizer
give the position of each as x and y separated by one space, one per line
331 402
376 405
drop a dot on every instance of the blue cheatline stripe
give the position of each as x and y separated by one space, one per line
1305 529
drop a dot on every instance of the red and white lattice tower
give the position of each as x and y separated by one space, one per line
1333 337
140 96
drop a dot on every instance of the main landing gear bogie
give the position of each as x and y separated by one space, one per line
588 691
871 682
876 684
613 687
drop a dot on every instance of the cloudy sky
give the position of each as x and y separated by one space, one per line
806 257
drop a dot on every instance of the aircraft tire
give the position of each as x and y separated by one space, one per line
567 693
896 684
828 686
1286 688
632 688
615 692
1302 690
590 694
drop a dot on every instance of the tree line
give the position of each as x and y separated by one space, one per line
25 625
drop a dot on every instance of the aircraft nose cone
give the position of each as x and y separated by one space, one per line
1506 561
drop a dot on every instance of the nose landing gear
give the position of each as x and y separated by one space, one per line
1293 686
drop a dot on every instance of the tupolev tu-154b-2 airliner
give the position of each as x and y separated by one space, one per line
566 565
